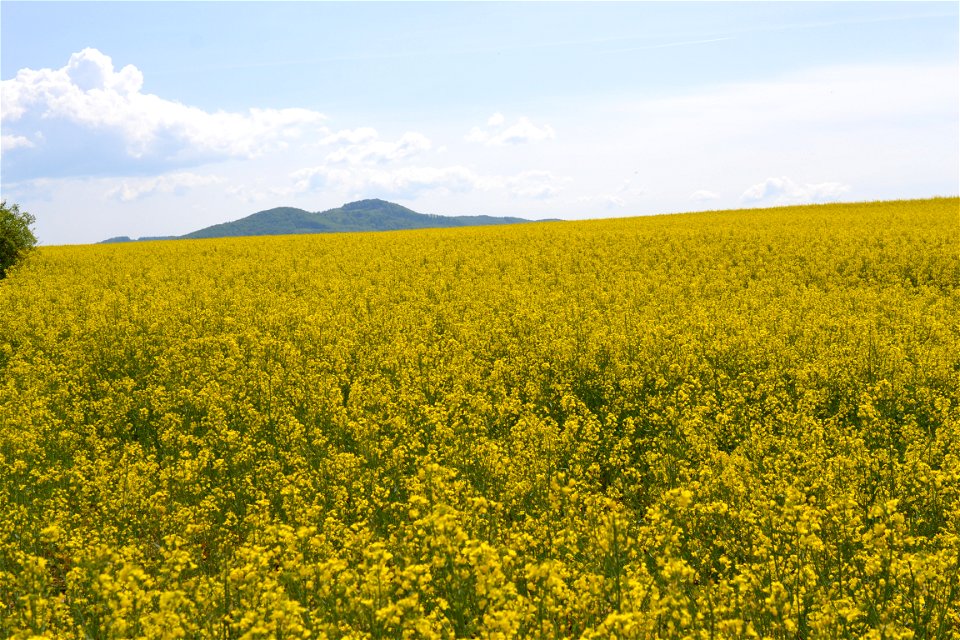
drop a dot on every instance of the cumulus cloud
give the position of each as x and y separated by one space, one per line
783 190
702 195
176 183
89 97
522 131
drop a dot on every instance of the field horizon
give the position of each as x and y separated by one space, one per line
489 220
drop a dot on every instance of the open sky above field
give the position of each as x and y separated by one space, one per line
162 118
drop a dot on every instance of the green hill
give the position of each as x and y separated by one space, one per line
363 215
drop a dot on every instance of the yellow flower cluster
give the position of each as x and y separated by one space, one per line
720 425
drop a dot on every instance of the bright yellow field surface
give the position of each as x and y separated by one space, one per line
717 425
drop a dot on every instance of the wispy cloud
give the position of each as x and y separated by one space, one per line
629 192
8 143
667 45
783 191
703 195
368 148
176 183
498 133
413 181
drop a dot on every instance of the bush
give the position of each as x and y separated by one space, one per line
16 238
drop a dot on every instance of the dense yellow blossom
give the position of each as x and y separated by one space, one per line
719 425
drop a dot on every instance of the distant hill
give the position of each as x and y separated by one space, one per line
363 215
143 239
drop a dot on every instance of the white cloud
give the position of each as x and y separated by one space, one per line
398 181
607 201
90 94
783 190
630 188
628 191
360 135
522 131
90 69
477 135
176 183
538 185
702 195
8 143
257 192
410 181
369 149
366 165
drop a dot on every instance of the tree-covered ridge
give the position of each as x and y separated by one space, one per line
362 215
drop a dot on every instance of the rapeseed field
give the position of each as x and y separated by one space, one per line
721 425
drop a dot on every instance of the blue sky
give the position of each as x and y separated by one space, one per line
160 118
